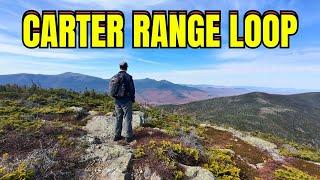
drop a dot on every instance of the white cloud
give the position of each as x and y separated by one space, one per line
292 69
147 61
58 54
38 53
13 46
3 27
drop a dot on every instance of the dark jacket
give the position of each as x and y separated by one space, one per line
131 89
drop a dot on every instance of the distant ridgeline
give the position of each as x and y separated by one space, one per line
295 117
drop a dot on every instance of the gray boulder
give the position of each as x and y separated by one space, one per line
198 173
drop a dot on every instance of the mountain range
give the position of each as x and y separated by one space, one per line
222 91
149 91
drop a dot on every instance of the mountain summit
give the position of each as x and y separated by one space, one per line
148 90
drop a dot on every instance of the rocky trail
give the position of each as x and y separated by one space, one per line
113 160
110 160
267 168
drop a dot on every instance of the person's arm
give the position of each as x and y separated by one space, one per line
132 90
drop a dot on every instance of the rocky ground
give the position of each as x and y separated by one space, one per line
272 159
109 159
114 160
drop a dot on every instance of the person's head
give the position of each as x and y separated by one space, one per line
123 66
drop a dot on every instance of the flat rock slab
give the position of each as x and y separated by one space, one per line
198 173
111 160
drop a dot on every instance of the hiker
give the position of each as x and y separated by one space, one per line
121 87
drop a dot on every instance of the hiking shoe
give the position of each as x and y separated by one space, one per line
129 140
97 140
117 138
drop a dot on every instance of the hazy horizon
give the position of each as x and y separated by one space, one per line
297 67
212 85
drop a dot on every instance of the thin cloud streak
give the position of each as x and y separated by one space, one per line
295 69
148 61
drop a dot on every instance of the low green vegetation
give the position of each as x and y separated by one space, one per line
39 130
173 155
290 173
167 150
221 147
172 123
221 164
21 173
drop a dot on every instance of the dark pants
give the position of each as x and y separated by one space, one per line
123 111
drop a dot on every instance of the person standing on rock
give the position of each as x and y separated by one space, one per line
121 87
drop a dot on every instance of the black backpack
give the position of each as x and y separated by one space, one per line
118 86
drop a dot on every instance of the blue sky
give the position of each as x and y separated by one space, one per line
297 67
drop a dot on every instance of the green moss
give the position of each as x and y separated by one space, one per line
21 173
290 173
